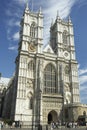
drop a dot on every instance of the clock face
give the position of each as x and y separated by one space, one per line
66 55
32 47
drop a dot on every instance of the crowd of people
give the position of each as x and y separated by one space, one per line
65 124
15 124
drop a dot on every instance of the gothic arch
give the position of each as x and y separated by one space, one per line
52 116
30 100
67 70
49 79
65 37
49 63
33 30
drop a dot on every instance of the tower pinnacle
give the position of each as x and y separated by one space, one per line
40 10
58 14
69 19
27 4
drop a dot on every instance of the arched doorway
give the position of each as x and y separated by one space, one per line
52 116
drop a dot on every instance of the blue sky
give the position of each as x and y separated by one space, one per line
10 14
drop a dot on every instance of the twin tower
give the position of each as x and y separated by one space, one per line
45 87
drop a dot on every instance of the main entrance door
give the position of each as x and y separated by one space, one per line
52 116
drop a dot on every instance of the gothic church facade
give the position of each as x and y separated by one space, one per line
46 80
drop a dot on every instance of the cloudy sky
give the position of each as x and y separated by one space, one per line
10 14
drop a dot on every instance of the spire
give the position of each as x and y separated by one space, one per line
69 20
52 22
58 14
27 5
40 10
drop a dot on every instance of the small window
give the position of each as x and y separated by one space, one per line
67 70
32 30
65 37
31 103
31 69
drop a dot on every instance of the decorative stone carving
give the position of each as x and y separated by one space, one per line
67 94
29 84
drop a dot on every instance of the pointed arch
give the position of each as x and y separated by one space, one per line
67 69
52 116
30 100
49 79
65 37
33 30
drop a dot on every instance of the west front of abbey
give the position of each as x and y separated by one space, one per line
45 86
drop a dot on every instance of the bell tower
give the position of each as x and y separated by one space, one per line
62 42
31 33
30 45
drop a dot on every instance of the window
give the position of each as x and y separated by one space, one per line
31 69
67 70
31 103
49 79
66 113
32 30
65 40
30 100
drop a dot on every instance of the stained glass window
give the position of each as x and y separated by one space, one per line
49 79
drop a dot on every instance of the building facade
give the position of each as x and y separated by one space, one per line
46 81
3 86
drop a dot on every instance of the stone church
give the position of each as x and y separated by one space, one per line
45 86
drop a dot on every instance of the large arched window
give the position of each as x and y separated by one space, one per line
49 79
31 69
32 30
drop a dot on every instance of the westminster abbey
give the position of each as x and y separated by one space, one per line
45 86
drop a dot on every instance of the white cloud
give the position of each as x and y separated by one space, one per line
13 48
82 71
83 79
83 83
82 75
4 80
13 22
50 11
83 88
15 36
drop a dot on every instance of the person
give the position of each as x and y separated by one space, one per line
2 124
20 125
13 125
53 125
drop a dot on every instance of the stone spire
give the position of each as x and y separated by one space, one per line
69 20
27 8
52 22
58 14
40 10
